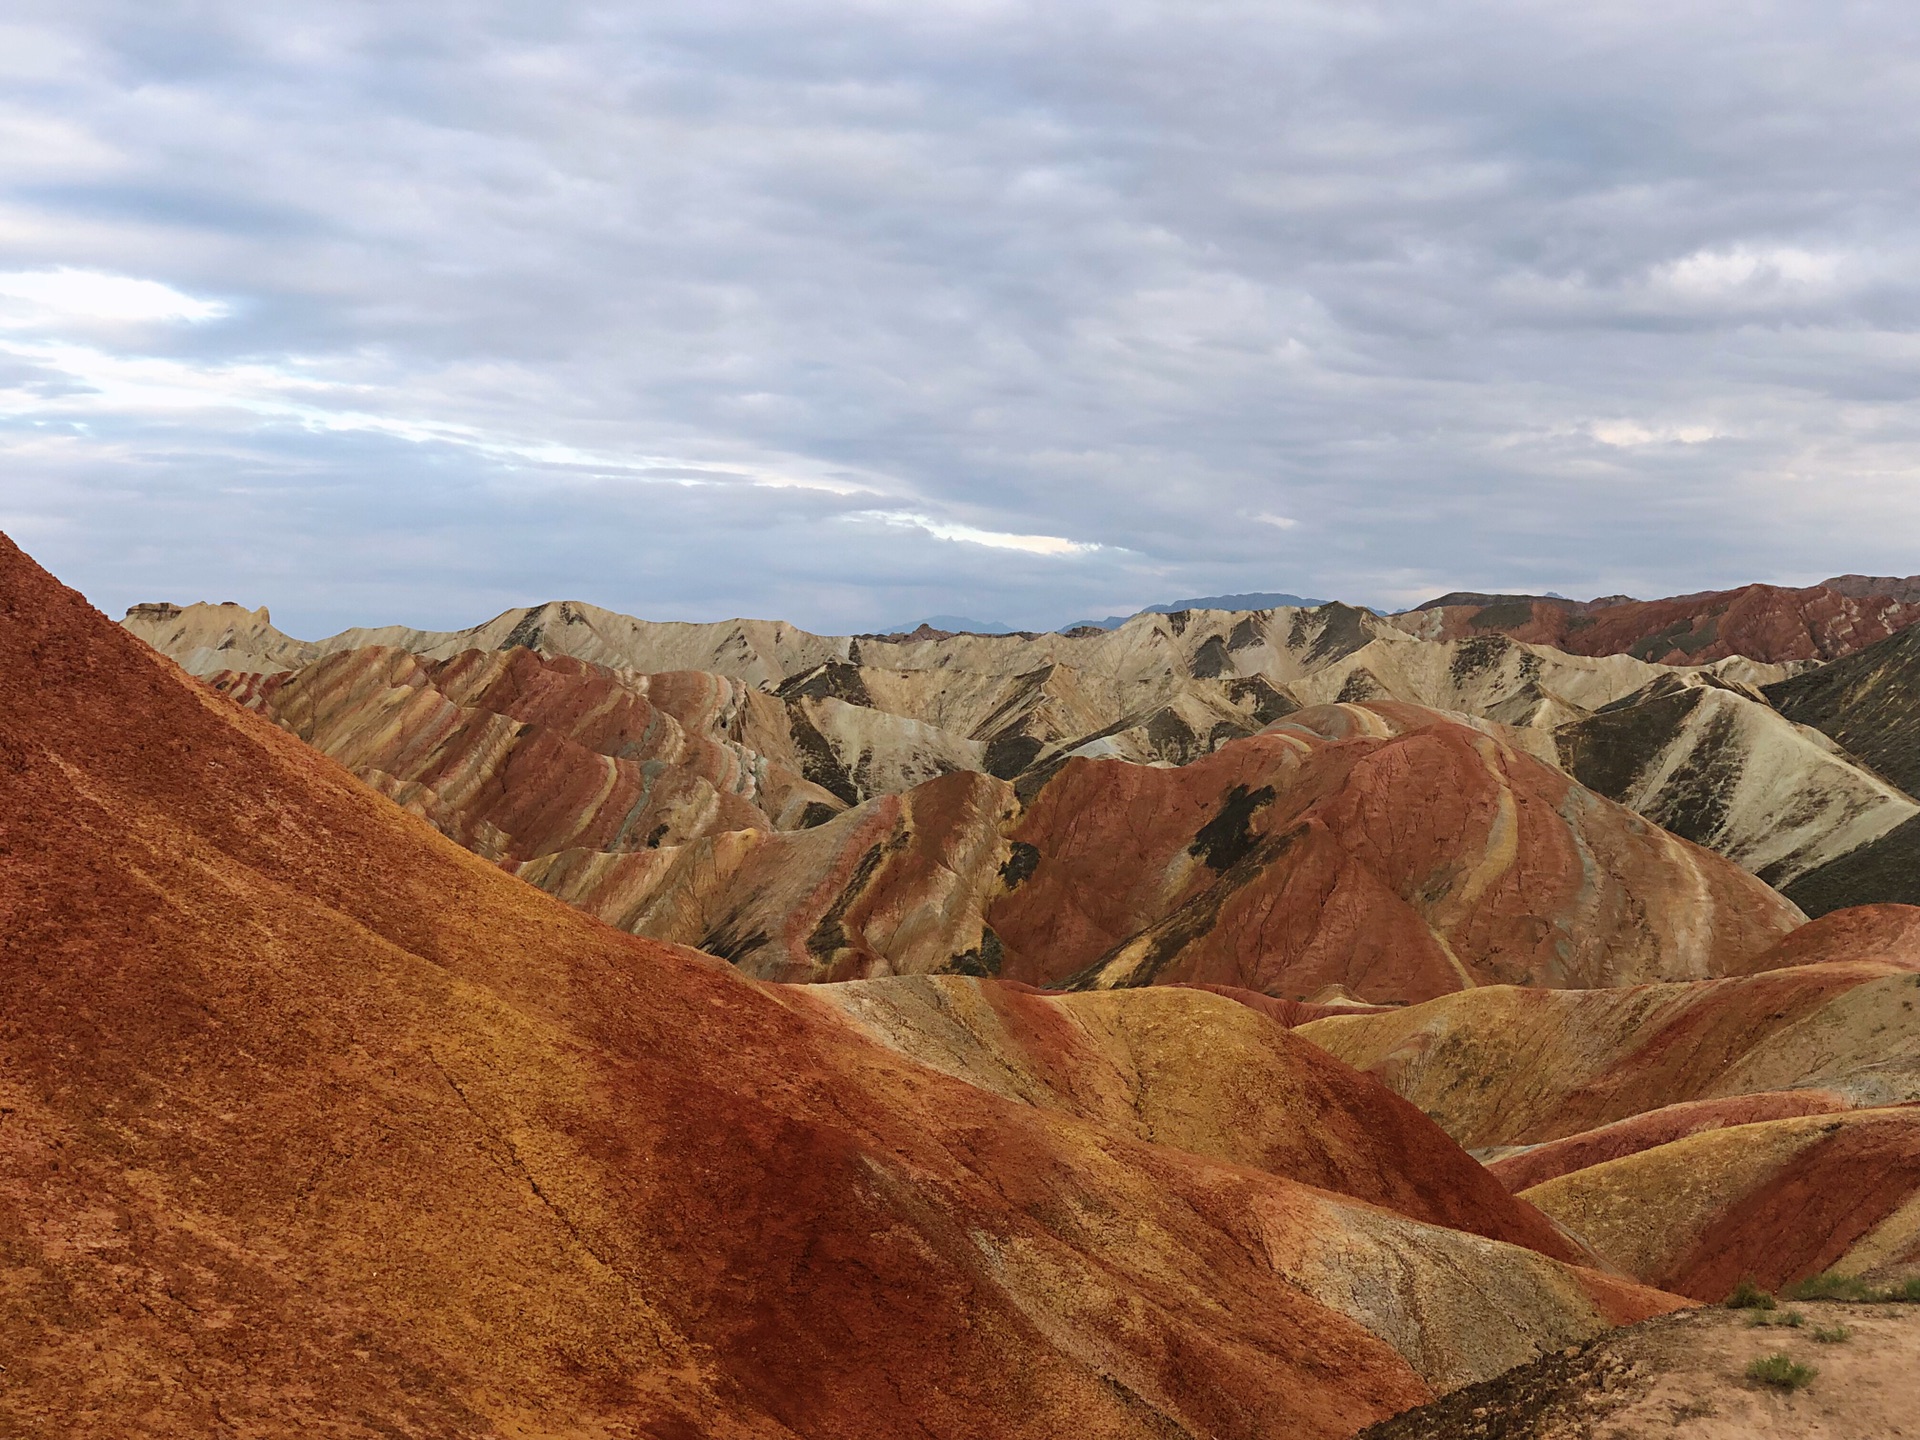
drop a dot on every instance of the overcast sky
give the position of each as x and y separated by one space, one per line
848 313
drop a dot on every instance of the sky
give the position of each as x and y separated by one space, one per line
849 313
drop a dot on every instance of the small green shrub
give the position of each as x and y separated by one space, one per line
1781 1371
1909 1290
1834 1335
1832 1287
1749 1296
1792 1320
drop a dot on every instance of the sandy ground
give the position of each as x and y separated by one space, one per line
1685 1376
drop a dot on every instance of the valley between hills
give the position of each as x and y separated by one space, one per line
1233 1023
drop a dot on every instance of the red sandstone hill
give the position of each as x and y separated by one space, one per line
1393 851
1762 622
1384 848
516 755
313 1122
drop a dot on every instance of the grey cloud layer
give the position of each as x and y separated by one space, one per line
686 313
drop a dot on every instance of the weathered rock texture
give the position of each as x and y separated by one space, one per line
1393 851
316 1123
1768 623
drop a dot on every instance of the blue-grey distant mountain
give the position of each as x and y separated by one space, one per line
1258 601
957 624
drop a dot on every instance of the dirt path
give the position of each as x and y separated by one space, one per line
1685 1376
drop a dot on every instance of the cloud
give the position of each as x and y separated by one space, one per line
1052 545
46 298
847 311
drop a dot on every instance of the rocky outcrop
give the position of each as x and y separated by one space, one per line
290 1078
1159 688
516 757
1904 588
900 885
1768 623
1869 703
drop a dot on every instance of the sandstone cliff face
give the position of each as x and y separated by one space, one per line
290 1078
1761 622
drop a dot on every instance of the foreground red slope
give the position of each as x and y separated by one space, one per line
315 1123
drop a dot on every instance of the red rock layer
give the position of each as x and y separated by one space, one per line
516 756
1655 1127
1762 622
1809 1213
1886 934
1777 1200
1400 867
314 1122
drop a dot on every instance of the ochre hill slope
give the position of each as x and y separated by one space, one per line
1777 1200
1531 1165
1194 1070
1394 851
1508 1066
316 1123
1769 623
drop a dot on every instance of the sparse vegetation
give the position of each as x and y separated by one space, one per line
1783 1372
1833 1334
1852 1288
1792 1319
1832 1287
1749 1296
